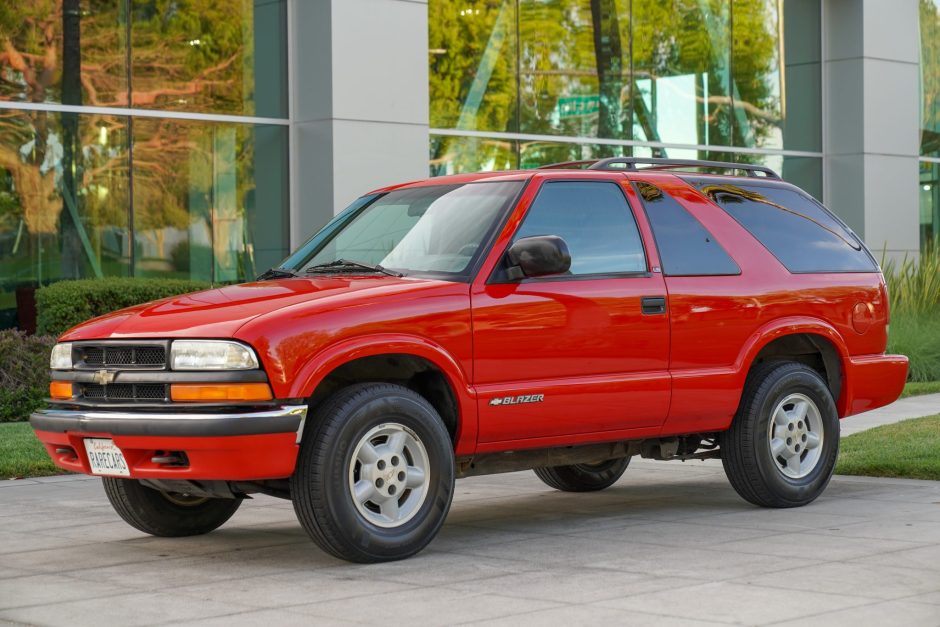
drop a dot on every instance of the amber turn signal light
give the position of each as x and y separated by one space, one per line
208 392
60 390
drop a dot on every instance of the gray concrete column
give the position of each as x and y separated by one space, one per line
360 102
872 120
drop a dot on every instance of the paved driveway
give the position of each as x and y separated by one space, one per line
669 544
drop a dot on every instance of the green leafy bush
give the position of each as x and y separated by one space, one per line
62 305
914 295
24 373
918 337
914 283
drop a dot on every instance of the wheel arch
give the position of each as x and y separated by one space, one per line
812 342
414 362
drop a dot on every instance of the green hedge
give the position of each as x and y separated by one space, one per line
24 373
62 305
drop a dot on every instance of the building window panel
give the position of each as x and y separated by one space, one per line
44 42
210 199
213 56
63 200
682 72
929 204
930 77
456 155
472 79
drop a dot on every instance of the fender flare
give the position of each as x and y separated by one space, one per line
794 325
326 361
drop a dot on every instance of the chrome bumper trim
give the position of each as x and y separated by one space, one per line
283 419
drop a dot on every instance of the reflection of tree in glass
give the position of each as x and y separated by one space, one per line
193 55
581 64
930 77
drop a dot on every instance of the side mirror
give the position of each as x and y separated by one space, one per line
538 256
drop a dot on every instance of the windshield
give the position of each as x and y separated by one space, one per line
437 229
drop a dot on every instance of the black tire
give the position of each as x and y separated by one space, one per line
164 514
753 470
583 477
321 485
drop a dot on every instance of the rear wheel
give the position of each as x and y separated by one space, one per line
375 478
583 477
782 446
168 514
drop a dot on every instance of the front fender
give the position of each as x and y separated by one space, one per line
326 361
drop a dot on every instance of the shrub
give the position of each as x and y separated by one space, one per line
918 337
914 283
62 305
914 295
24 373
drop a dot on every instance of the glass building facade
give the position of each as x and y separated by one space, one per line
523 83
141 138
156 137
930 122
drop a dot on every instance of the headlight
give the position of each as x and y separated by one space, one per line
61 358
211 355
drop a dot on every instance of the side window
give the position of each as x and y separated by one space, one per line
796 229
595 221
686 248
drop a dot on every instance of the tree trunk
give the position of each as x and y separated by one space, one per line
71 140
608 54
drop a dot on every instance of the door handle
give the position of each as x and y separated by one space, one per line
653 304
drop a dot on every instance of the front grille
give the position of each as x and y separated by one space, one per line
125 392
120 356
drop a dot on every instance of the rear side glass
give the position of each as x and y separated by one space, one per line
796 229
686 248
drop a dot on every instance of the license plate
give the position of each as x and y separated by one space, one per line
105 458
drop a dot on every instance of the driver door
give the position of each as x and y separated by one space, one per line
584 352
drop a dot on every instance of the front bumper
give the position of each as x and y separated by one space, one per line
250 445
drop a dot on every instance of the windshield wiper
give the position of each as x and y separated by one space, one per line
332 266
276 273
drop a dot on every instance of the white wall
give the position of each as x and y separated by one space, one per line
872 120
360 102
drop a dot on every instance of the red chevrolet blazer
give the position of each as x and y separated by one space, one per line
563 319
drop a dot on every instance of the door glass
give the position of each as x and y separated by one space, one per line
595 221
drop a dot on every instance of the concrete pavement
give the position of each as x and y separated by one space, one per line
670 544
904 409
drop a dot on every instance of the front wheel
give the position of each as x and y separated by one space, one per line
782 446
583 477
166 514
375 477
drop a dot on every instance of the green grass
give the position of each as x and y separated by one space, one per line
21 454
908 449
917 388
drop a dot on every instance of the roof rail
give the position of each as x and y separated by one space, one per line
630 163
567 164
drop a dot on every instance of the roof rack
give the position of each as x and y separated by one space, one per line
630 163
567 164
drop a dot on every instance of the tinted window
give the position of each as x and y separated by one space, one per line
799 232
686 248
435 228
594 220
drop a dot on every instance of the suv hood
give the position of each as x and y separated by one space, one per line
218 313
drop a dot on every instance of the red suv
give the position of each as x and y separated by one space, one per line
561 319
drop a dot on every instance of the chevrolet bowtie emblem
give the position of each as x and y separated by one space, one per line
103 377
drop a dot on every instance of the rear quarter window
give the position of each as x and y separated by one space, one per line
686 248
796 229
